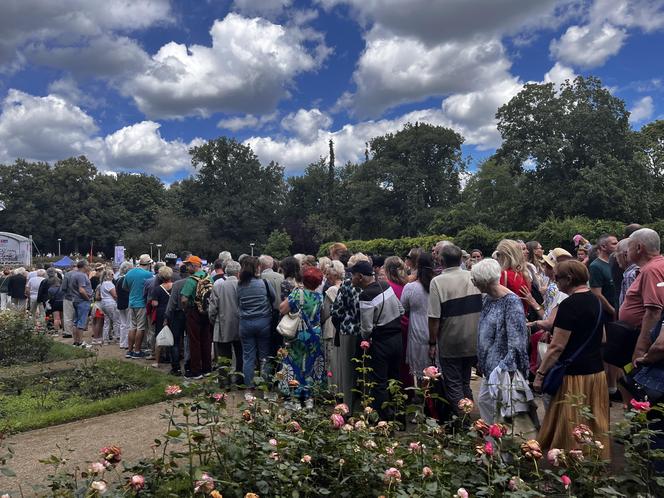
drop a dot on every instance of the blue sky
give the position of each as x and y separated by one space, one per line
133 84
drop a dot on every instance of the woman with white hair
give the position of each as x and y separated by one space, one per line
123 304
109 306
331 342
32 289
502 338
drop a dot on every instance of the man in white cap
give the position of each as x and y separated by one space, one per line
134 282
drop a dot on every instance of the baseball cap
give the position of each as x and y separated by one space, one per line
363 267
194 260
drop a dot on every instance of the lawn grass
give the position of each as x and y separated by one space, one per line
45 399
60 351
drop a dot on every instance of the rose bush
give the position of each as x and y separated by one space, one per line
221 446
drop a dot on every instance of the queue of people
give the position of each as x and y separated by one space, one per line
516 319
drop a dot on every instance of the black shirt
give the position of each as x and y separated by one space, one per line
16 286
578 314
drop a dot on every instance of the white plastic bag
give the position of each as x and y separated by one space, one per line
165 337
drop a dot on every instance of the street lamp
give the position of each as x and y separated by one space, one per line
59 253
151 244
158 252
252 248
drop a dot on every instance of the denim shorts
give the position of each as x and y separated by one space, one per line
82 310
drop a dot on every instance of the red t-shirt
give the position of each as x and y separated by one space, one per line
644 292
514 281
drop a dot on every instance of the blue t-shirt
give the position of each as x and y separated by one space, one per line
134 282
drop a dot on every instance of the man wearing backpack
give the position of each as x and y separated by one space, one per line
195 297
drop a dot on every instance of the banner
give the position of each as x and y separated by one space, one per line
15 250
119 254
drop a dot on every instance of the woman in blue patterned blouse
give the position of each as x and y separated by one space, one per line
502 338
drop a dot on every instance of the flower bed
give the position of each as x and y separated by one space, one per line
263 449
22 341
86 390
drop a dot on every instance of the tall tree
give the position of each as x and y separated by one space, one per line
241 200
576 144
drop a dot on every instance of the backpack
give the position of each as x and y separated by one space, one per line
203 292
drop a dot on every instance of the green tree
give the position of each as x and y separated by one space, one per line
278 244
240 199
575 147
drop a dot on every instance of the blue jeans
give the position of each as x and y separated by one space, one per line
82 311
255 336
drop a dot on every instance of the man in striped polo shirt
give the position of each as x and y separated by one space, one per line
454 311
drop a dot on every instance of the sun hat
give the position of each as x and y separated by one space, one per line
554 254
144 260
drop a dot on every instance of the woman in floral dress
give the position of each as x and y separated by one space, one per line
304 365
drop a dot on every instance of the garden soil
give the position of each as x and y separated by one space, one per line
133 430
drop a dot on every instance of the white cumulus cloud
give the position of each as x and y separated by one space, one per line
588 46
559 73
642 110
51 128
42 21
306 124
269 9
248 68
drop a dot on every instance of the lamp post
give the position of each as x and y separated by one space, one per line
59 253
151 244
251 244
158 252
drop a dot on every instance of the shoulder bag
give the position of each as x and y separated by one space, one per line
291 323
554 377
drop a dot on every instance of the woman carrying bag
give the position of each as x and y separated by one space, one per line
572 370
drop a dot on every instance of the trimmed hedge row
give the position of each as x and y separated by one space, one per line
550 233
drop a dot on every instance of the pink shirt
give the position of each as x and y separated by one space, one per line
644 292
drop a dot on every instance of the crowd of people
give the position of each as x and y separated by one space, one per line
581 329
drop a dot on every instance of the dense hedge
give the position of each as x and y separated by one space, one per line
550 233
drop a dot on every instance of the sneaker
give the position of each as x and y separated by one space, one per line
85 345
67 336
173 371
192 376
129 355
97 342
140 355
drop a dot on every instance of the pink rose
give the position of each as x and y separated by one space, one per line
342 408
582 434
97 468
565 480
392 475
497 431
337 421
415 447
99 486
294 426
515 483
461 493
112 454
273 442
427 472
347 428
219 397
555 456
640 406
173 390
329 373
205 484
137 482
488 448
466 405
360 425
365 345
306 459
431 372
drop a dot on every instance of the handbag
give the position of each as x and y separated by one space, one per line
165 337
554 377
292 322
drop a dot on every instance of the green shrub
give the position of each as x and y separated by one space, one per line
20 340
550 233
387 247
